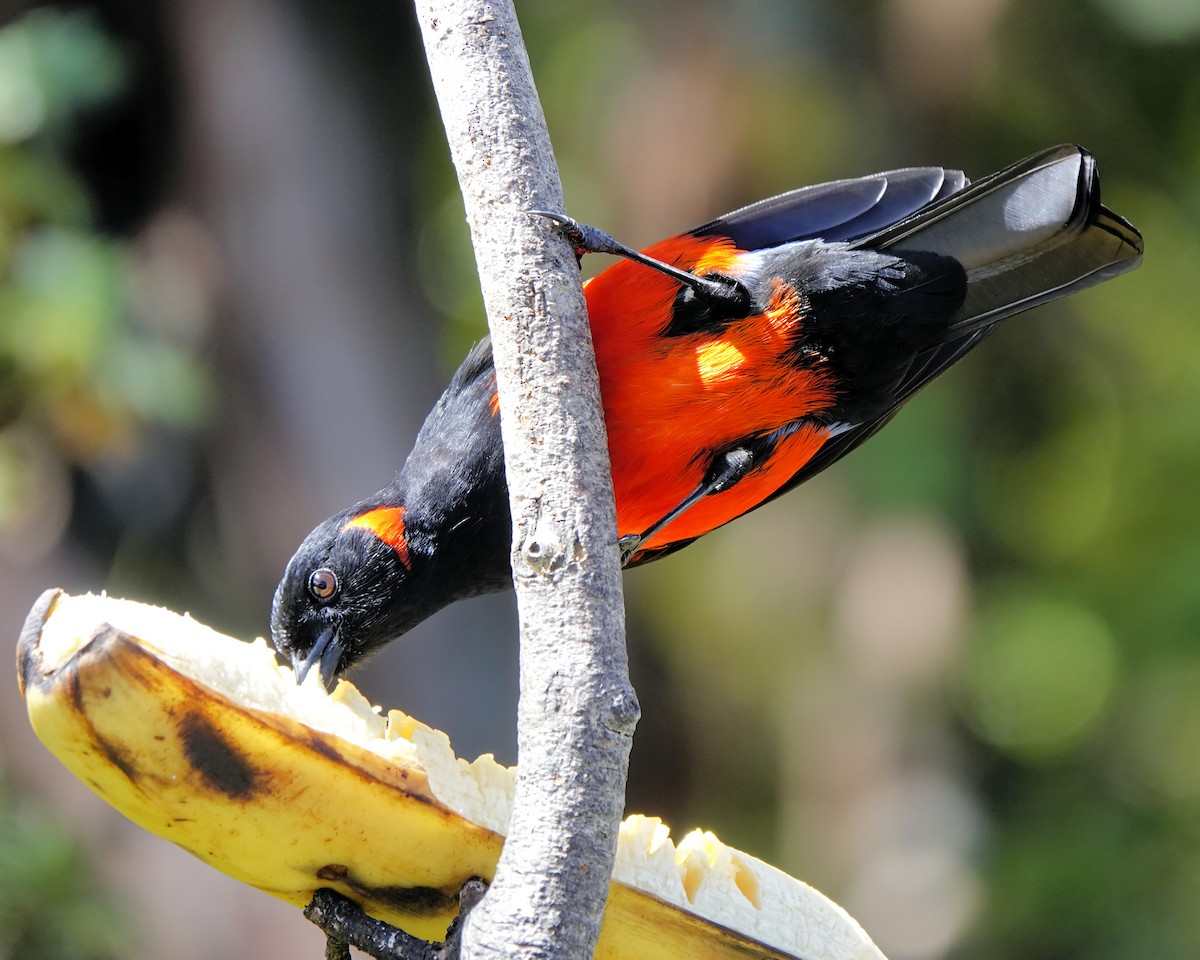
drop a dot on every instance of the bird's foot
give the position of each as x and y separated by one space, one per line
629 545
584 238
345 924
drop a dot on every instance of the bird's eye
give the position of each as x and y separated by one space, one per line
322 583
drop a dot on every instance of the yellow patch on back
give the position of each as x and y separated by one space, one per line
717 360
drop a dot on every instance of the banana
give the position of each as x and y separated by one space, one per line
208 742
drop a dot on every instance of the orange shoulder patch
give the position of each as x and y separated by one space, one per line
494 399
386 523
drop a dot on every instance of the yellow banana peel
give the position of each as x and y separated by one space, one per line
208 742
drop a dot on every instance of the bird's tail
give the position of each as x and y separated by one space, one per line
1026 235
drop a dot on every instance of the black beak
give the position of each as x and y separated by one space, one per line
326 652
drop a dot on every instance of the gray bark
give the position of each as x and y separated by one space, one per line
577 709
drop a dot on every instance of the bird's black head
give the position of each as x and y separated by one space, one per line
348 590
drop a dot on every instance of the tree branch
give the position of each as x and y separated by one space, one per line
577 709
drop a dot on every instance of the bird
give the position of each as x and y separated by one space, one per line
736 360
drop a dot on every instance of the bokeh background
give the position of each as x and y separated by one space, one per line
954 682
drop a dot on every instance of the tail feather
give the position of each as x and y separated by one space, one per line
1026 235
1029 234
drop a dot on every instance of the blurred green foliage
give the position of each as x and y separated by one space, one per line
82 381
1039 675
83 373
51 66
52 903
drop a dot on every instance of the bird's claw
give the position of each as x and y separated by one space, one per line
629 545
345 924
582 237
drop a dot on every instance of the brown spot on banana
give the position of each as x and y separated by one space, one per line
216 760
414 901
